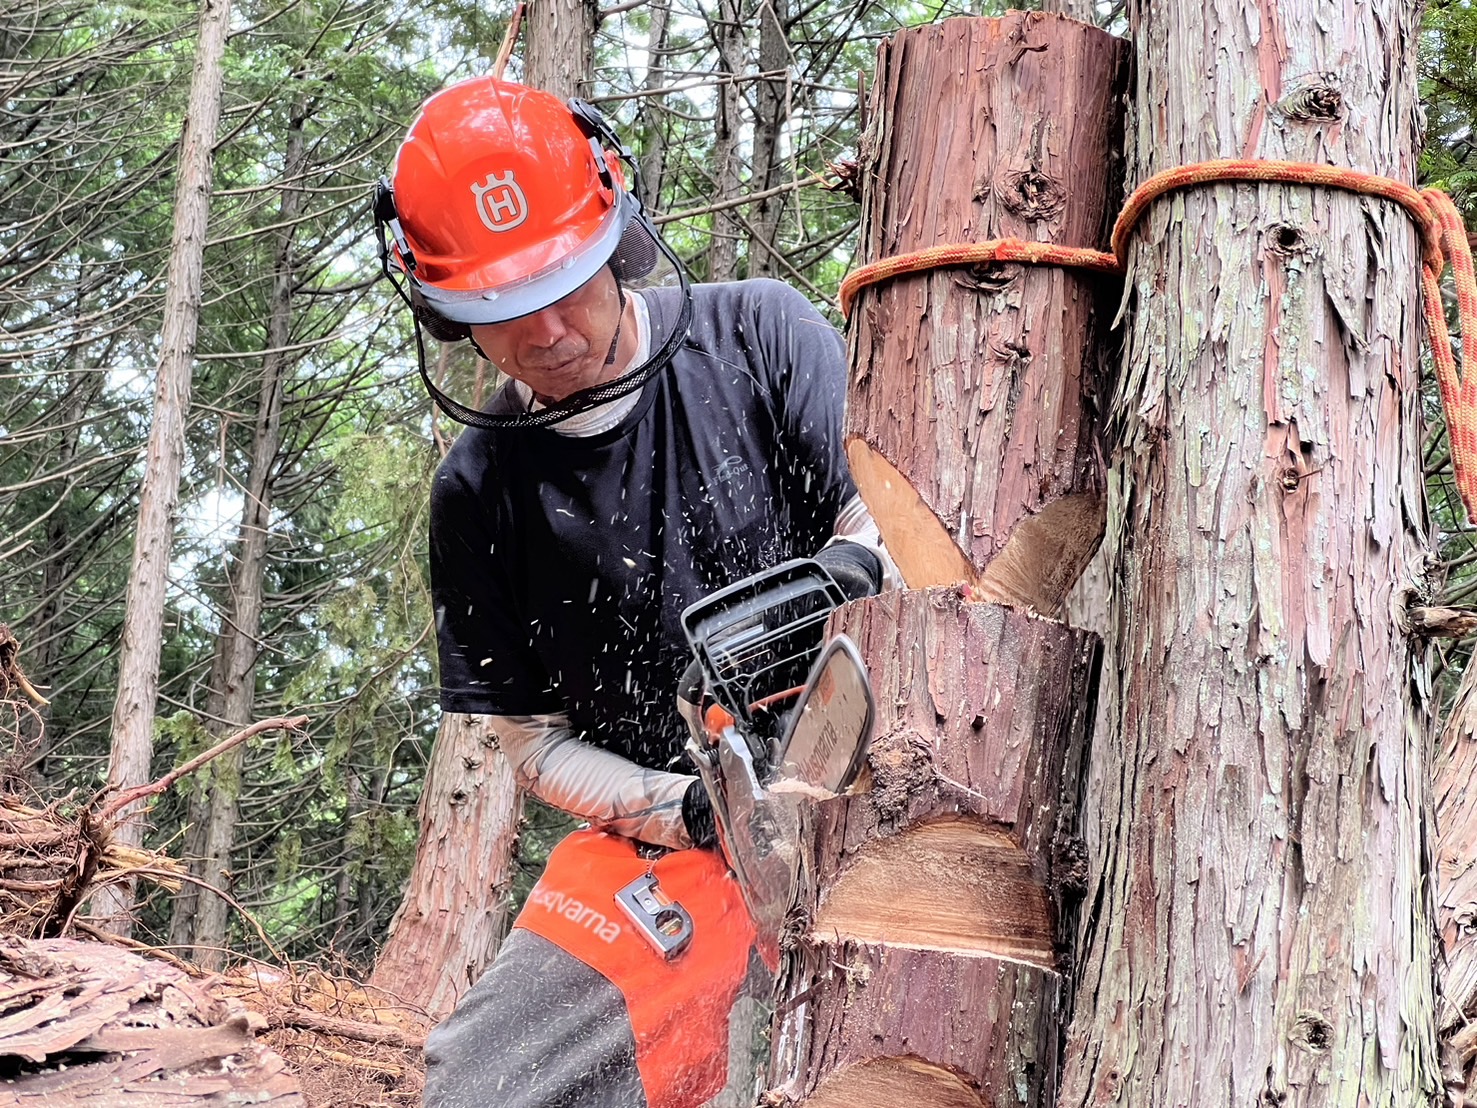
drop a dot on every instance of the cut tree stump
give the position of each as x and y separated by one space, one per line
88 1024
926 962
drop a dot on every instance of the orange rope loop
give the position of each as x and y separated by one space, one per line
1443 238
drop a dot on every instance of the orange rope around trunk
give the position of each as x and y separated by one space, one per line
1443 239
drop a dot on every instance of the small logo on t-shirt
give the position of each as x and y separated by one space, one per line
730 469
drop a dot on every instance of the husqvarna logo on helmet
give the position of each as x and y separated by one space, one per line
501 204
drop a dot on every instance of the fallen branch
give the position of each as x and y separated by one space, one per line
1442 623
305 1019
510 36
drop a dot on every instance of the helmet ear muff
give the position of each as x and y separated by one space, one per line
635 255
437 326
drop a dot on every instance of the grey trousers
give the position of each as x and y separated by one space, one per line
540 1030
543 1030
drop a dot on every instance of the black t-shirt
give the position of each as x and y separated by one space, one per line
560 565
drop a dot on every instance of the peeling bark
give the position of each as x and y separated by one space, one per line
455 910
1261 924
945 890
927 965
88 1024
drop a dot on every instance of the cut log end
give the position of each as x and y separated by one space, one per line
1045 555
891 1082
1036 568
955 885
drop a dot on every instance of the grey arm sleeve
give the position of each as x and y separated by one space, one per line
854 523
610 791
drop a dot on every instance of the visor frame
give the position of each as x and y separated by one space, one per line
538 290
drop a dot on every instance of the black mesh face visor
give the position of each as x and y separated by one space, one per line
641 261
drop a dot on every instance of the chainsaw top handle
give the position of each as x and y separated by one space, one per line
756 639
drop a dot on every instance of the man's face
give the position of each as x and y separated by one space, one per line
561 349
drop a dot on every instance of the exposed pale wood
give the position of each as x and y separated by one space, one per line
892 1082
983 716
1261 929
926 962
1445 623
953 885
932 1023
1045 555
921 547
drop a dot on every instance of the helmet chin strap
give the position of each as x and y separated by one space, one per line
620 320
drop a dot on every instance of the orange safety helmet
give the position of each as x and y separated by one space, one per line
504 200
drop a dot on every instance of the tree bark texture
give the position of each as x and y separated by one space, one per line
980 385
653 159
928 969
726 25
1456 890
200 917
148 577
771 113
928 965
1261 922
559 45
455 910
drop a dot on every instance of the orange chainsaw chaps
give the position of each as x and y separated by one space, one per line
679 1008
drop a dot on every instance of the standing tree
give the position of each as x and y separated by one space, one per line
199 916
455 909
148 579
1260 928
928 961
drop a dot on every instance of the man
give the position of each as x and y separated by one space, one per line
656 442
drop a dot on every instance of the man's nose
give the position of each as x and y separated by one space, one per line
544 328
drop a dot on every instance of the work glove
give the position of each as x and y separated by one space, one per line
854 567
697 815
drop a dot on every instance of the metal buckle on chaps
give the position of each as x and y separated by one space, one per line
663 922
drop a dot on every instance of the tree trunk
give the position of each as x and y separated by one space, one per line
49 635
929 967
1261 923
1456 889
200 917
559 40
770 116
727 28
148 578
455 910
653 159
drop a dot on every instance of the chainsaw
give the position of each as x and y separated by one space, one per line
783 717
